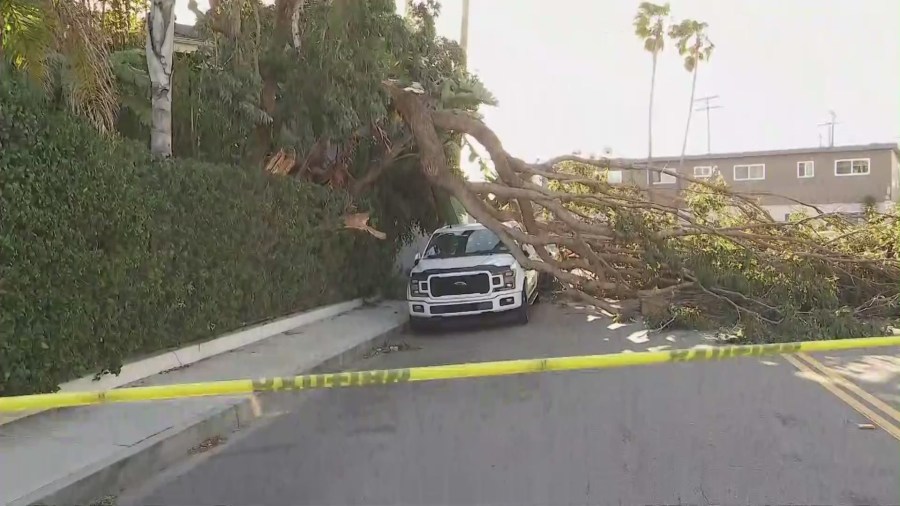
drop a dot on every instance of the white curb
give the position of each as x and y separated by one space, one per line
165 361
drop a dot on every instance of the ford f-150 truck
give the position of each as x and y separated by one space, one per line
467 270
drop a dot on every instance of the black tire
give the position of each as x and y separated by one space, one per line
545 281
521 312
418 325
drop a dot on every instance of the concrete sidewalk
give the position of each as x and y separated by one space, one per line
73 455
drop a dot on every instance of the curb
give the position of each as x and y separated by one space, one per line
157 453
151 366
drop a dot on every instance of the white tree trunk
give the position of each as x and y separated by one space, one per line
160 53
295 24
687 127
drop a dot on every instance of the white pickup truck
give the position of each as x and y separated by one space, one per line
467 270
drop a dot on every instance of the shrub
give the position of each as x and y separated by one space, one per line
106 255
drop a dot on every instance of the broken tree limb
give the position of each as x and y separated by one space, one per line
711 257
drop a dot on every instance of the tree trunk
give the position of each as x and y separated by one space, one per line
687 128
650 128
295 25
160 53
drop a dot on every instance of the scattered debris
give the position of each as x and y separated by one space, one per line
207 444
180 367
390 348
109 500
865 426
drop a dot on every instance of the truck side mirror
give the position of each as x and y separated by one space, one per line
416 259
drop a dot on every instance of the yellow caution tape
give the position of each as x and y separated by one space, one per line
428 373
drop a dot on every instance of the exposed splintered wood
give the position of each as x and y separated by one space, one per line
719 257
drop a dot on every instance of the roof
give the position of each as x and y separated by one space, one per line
774 152
460 227
473 226
186 31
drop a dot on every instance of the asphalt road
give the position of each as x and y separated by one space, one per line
744 431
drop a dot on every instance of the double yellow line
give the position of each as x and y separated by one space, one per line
847 391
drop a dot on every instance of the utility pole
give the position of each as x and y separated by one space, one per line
830 125
464 32
706 107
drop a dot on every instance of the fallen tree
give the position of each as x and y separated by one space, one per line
716 259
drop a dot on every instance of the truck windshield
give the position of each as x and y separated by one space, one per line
464 243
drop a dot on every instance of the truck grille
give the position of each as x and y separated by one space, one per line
459 285
462 308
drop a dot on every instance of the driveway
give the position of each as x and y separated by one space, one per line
745 431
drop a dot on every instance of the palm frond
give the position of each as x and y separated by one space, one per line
61 45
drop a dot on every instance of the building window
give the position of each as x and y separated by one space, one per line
851 167
755 172
805 169
614 177
703 171
663 177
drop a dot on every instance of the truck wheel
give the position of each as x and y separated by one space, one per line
418 325
545 282
522 311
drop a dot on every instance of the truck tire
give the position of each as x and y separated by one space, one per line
418 325
521 312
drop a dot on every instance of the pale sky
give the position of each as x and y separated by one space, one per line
571 75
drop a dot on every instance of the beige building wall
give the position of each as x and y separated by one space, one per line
824 188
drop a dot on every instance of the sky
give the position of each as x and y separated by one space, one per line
571 75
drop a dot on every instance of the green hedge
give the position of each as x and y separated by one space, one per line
105 255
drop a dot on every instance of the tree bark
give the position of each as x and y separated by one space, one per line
687 128
295 24
160 54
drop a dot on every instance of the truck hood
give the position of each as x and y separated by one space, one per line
500 260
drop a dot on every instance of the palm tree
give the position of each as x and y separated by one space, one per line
61 45
649 25
694 46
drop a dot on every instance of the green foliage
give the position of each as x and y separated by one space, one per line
783 293
649 25
62 46
692 42
105 255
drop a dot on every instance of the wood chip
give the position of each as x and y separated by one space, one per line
866 426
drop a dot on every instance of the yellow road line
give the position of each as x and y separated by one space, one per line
429 373
852 387
849 400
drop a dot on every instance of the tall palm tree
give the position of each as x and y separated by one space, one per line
649 25
61 45
694 46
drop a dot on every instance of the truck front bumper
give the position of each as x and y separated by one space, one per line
492 303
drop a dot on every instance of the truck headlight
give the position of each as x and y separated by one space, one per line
418 288
509 279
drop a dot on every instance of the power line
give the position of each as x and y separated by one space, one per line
707 107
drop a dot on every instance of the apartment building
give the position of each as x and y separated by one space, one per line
835 179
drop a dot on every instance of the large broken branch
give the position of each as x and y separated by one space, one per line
716 255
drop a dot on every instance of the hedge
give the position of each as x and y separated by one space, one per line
106 255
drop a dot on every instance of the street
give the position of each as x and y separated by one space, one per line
747 431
